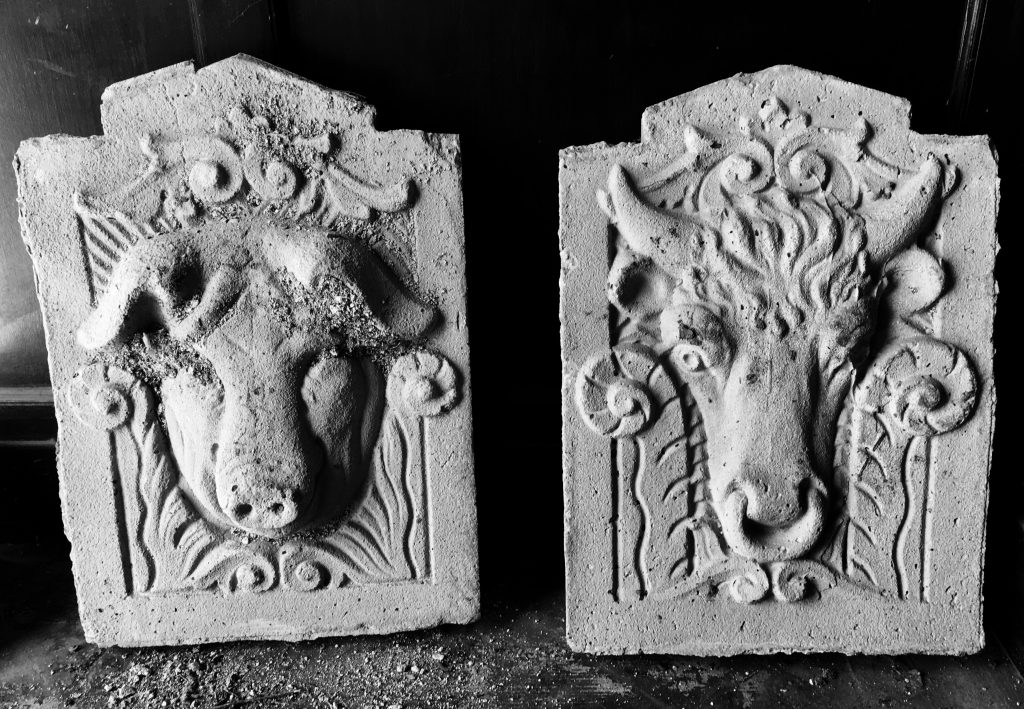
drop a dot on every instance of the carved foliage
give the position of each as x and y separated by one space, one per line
660 516
915 390
173 547
245 168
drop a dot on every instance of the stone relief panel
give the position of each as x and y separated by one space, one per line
777 371
262 354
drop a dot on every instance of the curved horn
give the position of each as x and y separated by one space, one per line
666 238
893 225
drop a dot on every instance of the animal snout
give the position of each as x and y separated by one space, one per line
261 496
772 514
773 500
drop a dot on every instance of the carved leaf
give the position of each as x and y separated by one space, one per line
338 195
173 538
665 481
877 500
236 568
378 537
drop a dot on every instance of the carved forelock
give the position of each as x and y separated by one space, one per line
776 258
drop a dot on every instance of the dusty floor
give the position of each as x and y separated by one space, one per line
514 657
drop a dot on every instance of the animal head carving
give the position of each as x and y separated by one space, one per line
270 410
765 284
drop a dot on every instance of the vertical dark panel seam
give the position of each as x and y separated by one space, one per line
279 30
198 34
966 61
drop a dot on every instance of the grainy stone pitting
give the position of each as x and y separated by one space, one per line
777 375
255 315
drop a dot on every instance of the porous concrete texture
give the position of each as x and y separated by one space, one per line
777 376
255 316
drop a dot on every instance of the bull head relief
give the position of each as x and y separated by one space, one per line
254 302
270 410
268 363
753 283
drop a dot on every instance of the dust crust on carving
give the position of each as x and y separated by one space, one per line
252 302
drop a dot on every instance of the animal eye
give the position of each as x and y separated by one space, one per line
690 358
698 338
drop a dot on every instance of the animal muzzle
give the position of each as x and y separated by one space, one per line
775 515
264 496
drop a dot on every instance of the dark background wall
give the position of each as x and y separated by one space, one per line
518 81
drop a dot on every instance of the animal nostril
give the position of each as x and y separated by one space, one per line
242 510
804 489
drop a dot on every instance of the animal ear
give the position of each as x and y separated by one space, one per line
124 307
388 299
313 262
915 280
149 287
638 286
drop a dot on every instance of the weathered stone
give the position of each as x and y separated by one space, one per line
777 376
255 314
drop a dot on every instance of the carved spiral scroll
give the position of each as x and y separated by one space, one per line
272 178
747 170
928 386
101 396
309 576
254 575
613 393
423 384
749 587
216 173
795 580
807 162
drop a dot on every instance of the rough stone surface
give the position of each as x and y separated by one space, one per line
255 315
777 376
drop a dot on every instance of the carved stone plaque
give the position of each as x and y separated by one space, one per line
255 313
777 376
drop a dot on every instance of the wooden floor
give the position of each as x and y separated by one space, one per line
515 656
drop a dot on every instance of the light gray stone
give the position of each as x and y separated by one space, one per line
255 316
777 376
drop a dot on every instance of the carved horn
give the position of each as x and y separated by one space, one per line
894 225
668 239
